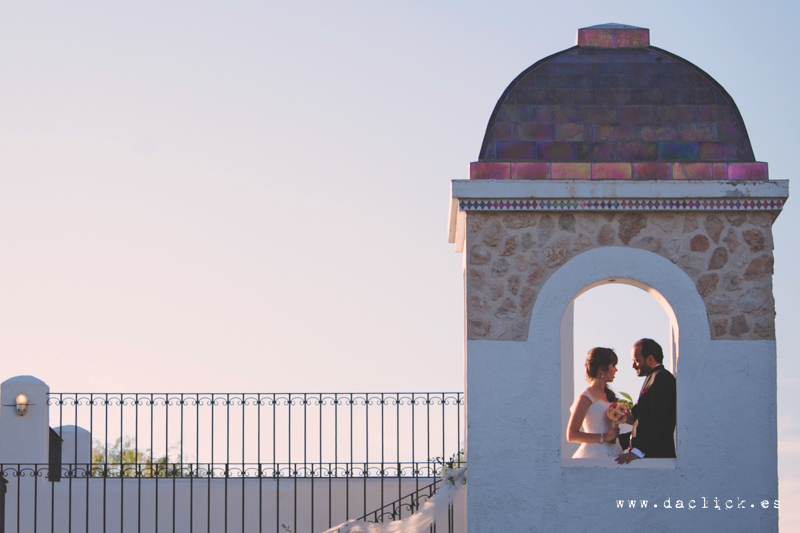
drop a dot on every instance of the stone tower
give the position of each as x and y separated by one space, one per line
616 161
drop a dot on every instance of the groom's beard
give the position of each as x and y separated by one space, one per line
644 372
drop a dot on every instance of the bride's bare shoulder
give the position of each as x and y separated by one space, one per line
583 399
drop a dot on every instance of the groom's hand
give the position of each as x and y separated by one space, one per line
625 458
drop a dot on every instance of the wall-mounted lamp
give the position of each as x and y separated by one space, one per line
22 404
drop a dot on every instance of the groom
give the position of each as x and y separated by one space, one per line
653 416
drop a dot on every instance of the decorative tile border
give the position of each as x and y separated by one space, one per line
539 170
643 204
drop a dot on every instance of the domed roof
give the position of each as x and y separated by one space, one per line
613 97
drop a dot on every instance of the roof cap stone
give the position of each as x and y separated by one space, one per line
613 35
613 26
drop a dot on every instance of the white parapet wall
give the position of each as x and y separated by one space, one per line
100 505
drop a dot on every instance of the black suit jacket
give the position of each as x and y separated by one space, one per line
655 416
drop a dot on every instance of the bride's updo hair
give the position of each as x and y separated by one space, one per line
600 358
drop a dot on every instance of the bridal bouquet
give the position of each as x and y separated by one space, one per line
618 412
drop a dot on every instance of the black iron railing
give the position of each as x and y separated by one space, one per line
233 462
290 428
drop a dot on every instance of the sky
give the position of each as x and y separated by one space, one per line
246 196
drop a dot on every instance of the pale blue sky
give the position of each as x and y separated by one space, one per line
248 196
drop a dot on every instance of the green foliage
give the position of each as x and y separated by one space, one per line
627 401
123 459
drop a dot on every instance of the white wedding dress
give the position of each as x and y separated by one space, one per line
596 421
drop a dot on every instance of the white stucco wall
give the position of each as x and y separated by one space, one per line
24 439
726 434
249 505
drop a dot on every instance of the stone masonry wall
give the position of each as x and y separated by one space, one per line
728 256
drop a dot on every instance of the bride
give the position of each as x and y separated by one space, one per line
588 422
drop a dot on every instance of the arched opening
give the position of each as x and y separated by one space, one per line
615 314
545 361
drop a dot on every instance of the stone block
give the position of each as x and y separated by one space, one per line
638 151
677 113
597 113
697 132
561 68
571 171
719 258
630 225
715 113
614 37
606 68
506 113
491 152
516 151
675 68
526 113
494 234
677 151
533 131
606 235
755 239
638 82
745 150
632 38
652 171
676 81
739 326
615 132
529 80
503 131
759 267
692 171
707 284
615 96
611 171
595 82
596 151
530 171
637 68
728 131
699 243
489 171
765 327
706 96
581 96
680 97
637 114
647 96
748 171
574 132
659 132
553 82
710 151
713 226
596 38
565 113
527 95
557 151
720 171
